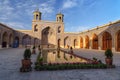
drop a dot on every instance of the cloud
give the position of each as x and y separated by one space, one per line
19 13
77 28
16 25
82 28
69 4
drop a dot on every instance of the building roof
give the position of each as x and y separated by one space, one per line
6 26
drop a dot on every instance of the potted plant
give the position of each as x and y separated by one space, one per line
26 62
109 55
33 51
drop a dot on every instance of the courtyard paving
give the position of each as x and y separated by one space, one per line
10 62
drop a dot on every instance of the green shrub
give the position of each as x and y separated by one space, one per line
27 54
69 66
108 53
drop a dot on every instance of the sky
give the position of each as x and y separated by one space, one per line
79 15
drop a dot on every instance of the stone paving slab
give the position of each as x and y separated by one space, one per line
98 54
10 62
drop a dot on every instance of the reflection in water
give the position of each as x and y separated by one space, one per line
58 56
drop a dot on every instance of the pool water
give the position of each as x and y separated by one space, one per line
60 56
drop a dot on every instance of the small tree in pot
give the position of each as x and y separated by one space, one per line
27 54
109 55
26 62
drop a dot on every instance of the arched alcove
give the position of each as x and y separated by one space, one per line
106 41
16 43
4 39
59 42
48 37
95 41
118 40
75 43
26 40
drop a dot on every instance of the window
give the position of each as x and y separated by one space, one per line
37 17
59 29
35 28
60 18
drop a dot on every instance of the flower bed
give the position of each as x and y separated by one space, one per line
66 66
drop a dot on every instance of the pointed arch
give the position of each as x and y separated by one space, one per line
37 17
75 43
81 42
48 36
59 42
59 29
106 41
26 40
118 40
86 42
95 41
5 39
36 28
16 43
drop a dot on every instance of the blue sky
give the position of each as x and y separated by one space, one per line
79 15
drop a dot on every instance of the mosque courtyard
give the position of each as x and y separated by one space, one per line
10 62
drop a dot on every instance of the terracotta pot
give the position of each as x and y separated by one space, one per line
108 61
26 65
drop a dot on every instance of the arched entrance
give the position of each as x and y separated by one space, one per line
95 41
48 37
118 41
4 40
75 43
10 40
59 42
16 43
26 40
86 42
81 42
107 41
